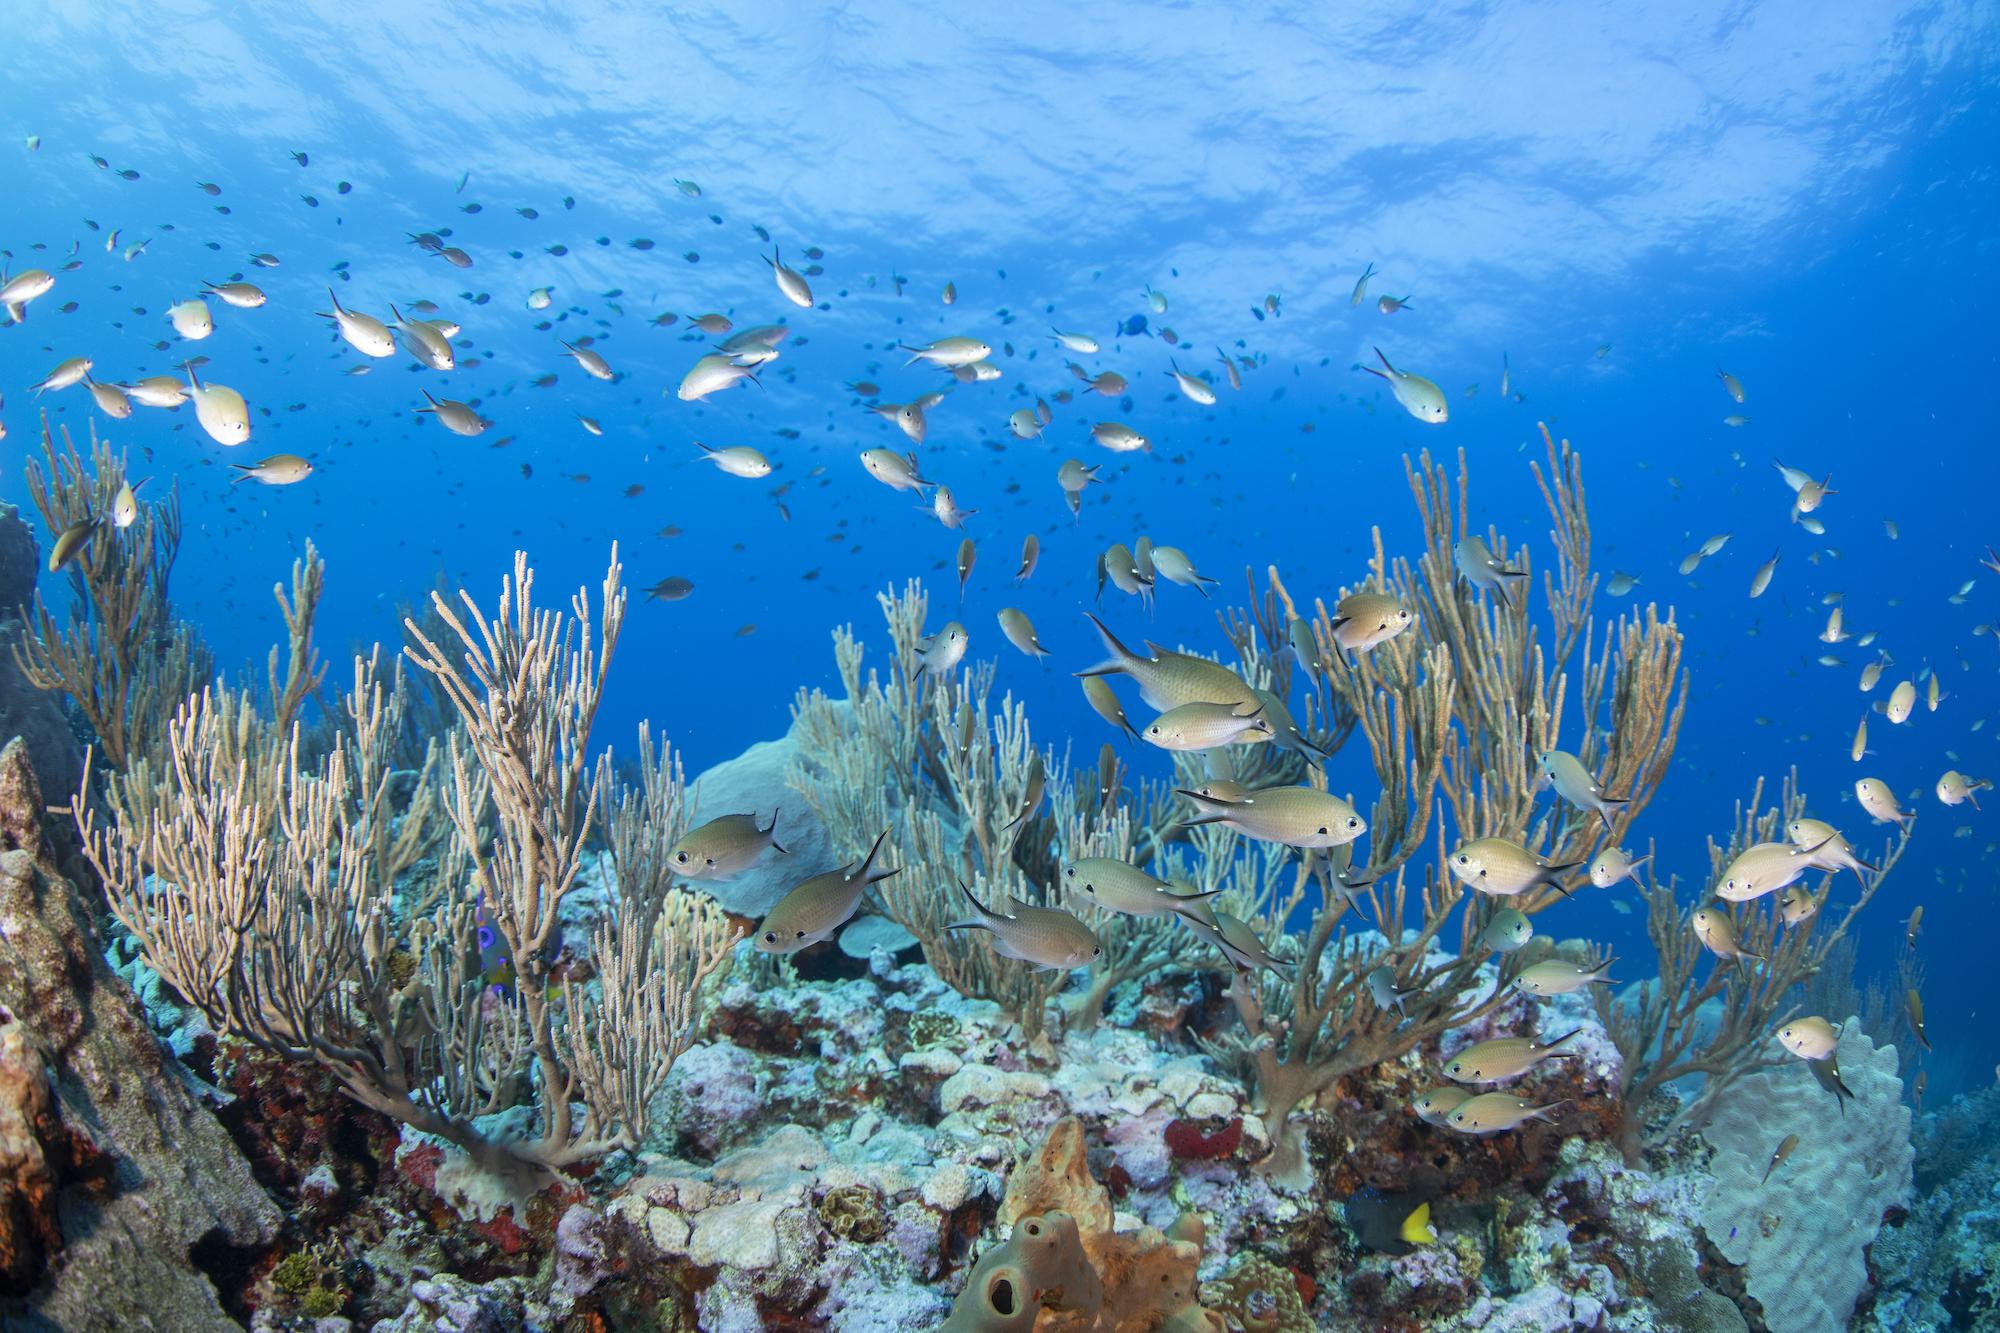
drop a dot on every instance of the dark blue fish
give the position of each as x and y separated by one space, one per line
1132 327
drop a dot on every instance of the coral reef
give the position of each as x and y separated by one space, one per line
480 1060
1802 1227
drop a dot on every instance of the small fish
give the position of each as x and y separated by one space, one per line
1504 1058
1167 679
1387 991
738 460
1494 1112
1810 1038
950 294
1233 937
241 295
1293 816
1612 866
1931 696
1361 286
1621 583
1031 554
1207 726
425 342
1365 620
220 410
277 470
1785 1148
364 333
110 399
1717 933
1477 564
1023 423
1872 673
1119 887
946 353
74 370
1914 925
1503 868
967 555
1762 578
1796 905
1119 438
1106 705
1860 746
1048 937
1229 369
1419 397
712 374
899 472
1020 631
1558 977
1880 802
1157 300
1826 1073
814 909
191 319
1954 788
1507 931
456 417
71 542
670 589
594 365
125 505
724 847
791 285
945 506
1572 781
1730 384
1913 1005
1192 388
942 653
1434 1106
1080 343
1766 867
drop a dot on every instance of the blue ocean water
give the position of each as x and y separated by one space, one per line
1799 194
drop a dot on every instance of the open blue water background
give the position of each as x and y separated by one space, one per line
1800 193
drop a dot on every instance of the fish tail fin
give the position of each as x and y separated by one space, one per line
243 471
1551 1045
1542 1112
981 916
1121 657
866 861
770 831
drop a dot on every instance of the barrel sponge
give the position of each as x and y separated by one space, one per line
1801 1236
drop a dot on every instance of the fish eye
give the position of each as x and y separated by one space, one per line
770 937
800 935
681 857
1353 823
1095 952
1322 829
1465 860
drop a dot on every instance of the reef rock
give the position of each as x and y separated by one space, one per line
1802 1235
122 1200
